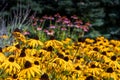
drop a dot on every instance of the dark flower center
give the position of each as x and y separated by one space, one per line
23 53
110 70
77 68
50 48
27 64
95 49
36 37
11 59
78 57
89 78
60 55
104 53
66 58
0 49
52 37
81 39
93 66
113 58
15 76
17 30
44 77
17 46
36 62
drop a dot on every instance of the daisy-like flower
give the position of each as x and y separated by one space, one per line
2 57
23 56
94 69
54 43
109 73
19 36
114 63
34 42
10 66
4 36
29 70
14 77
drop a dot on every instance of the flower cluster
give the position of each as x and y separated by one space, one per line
85 59
60 26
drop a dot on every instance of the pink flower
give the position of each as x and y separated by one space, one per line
51 18
26 33
78 26
41 20
57 15
52 26
88 24
63 29
74 17
85 28
50 32
39 28
45 17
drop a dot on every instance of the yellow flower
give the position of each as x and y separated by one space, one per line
14 77
44 77
114 63
66 41
34 43
19 36
4 36
10 66
2 57
23 56
109 73
94 69
88 40
54 43
29 70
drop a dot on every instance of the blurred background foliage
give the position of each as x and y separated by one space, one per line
103 14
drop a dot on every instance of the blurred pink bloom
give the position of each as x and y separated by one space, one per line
66 22
78 26
70 24
63 29
52 26
57 15
41 20
85 28
78 22
26 33
58 20
39 28
45 17
50 32
74 17
88 24
51 18
34 24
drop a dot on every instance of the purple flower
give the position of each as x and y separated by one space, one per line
63 29
52 26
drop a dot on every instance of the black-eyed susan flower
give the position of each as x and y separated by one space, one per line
34 43
44 77
29 70
10 66
14 77
2 57
94 69
54 43
109 73
4 36
19 36
114 63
